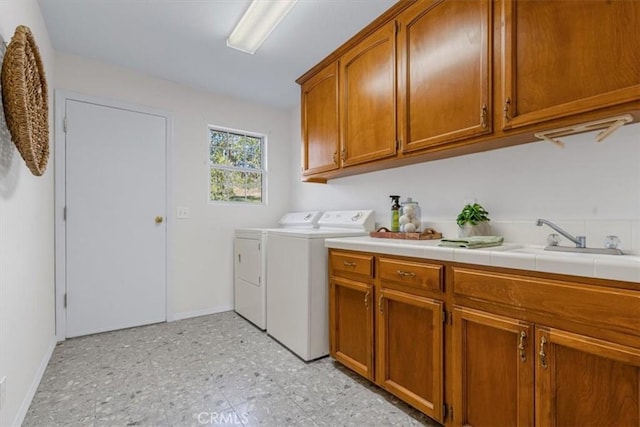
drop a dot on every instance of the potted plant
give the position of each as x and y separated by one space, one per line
473 221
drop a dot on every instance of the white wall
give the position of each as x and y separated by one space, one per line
202 261
587 187
26 246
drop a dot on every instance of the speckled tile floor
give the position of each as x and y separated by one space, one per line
210 370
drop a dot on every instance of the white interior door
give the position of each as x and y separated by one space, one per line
115 200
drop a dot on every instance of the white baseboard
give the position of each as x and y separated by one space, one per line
26 402
198 313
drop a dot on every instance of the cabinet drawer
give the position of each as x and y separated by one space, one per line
347 262
414 275
618 309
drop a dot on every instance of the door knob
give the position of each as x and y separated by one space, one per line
159 220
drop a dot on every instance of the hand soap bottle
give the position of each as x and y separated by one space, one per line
395 213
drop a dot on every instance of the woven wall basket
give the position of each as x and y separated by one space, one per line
25 99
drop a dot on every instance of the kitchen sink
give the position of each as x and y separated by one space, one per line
597 251
538 250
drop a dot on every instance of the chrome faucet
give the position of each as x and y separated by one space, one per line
580 241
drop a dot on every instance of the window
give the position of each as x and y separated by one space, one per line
236 161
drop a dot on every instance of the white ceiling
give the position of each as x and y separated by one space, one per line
184 41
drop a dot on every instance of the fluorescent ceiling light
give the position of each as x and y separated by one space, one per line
257 23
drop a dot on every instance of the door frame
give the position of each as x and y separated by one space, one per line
61 97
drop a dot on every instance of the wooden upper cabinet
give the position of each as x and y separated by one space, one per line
430 79
567 57
320 122
367 94
582 381
444 63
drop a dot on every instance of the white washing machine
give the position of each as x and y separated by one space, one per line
250 255
298 294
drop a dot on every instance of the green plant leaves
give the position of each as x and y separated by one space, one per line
472 214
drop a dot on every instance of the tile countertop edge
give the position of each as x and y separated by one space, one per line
522 257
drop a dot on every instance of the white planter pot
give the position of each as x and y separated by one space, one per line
480 229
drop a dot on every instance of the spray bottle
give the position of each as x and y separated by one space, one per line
395 213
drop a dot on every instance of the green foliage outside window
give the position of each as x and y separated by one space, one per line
236 162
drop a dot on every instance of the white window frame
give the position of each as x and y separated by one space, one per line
262 170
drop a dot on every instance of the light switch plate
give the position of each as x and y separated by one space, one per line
182 212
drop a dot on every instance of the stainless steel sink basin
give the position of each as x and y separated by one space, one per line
600 251
537 250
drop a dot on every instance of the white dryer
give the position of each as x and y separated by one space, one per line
250 255
298 294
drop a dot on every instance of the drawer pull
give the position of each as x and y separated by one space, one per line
406 273
349 264
543 354
521 346
366 300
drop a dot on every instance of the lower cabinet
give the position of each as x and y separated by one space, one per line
384 326
351 325
512 373
492 360
582 381
487 347
410 349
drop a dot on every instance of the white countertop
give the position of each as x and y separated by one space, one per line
523 257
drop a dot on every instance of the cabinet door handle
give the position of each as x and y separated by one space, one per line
366 300
349 264
335 158
343 154
380 304
239 259
521 346
406 273
507 109
483 116
543 354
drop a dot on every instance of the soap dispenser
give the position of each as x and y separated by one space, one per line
395 213
410 216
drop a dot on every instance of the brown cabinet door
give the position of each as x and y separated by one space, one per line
410 348
351 324
367 93
320 122
444 59
492 370
582 381
565 57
